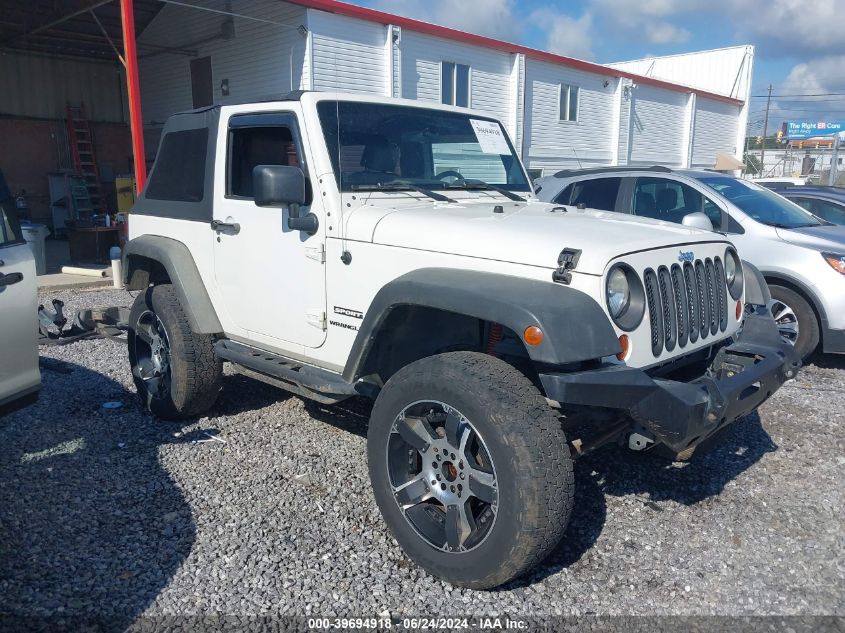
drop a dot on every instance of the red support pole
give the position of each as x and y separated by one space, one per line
136 123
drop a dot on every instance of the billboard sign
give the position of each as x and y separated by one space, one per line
802 130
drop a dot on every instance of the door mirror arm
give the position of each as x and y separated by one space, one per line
298 222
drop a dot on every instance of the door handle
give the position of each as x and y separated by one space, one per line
11 278
232 227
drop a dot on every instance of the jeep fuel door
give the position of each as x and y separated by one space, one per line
271 277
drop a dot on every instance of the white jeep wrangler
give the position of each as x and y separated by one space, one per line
353 245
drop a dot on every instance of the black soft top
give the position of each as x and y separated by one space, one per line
181 183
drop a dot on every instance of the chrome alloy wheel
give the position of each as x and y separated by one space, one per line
786 320
152 351
441 476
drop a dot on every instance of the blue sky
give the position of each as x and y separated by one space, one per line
800 44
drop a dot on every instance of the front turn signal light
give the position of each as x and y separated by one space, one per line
837 262
738 310
533 335
625 347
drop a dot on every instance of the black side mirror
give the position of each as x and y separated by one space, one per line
280 186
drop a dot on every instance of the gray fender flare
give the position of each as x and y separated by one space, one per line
575 326
177 260
756 289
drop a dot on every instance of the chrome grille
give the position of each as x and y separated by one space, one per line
685 303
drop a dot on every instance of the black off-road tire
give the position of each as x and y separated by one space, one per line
529 453
195 371
808 324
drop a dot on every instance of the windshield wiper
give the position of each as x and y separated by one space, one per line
404 186
481 185
781 225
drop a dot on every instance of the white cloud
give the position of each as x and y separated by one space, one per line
666 33
646 20
817 76
566 35
791 27
493 18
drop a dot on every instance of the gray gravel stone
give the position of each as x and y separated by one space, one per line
279 519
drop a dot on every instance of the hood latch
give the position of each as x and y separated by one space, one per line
567 261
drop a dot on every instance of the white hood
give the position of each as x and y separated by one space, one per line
532 233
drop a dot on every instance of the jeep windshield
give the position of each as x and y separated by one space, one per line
761 204
385 147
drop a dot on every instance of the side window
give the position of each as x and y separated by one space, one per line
258 145
568 102
712 211
806 203
670 201
598 193
454 84
829 211
565 196
10 228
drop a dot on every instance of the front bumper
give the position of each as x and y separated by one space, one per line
683 414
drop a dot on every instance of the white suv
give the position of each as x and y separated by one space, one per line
353 245
802 257
20 379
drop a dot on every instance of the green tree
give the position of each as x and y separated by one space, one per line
752 164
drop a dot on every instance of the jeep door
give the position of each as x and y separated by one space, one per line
19 375
271 278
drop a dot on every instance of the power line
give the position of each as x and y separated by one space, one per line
817 94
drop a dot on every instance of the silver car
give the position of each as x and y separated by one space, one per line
20 379
801 256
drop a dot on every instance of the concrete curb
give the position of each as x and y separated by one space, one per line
74 284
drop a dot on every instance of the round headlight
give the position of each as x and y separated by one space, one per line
730 269
625 297
618 292
733 273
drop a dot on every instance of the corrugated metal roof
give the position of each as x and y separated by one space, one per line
69 27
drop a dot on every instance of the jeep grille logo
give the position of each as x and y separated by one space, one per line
686 256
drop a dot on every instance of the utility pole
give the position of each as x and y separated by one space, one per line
765 131
834 161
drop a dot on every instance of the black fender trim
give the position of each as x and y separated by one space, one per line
177 260
575 326
756 289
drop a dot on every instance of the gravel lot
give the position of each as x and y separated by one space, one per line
110 512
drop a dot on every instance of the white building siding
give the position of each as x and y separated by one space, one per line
715 131
658 127
347 54
723 71
262 59
553 144
490 72
642 125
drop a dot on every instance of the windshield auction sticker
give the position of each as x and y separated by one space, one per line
490 137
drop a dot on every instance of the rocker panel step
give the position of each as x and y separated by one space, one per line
308 377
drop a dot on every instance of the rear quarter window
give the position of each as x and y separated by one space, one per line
179 172
10 228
